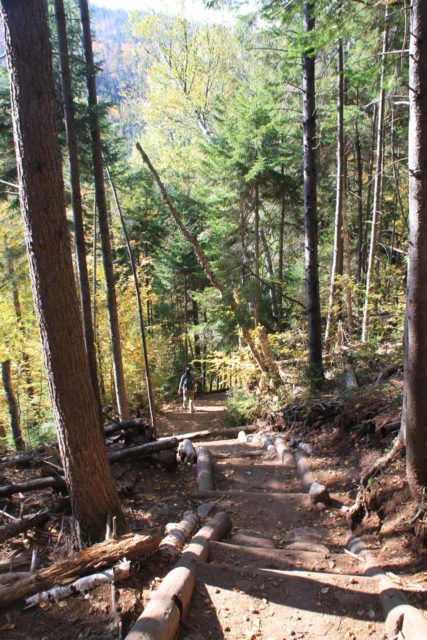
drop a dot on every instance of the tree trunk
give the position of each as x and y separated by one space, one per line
377 187
197 349
101 203
334 310
346 253
310 201
281 256
416 343
15 420
359 173
149 386
18 315
75 411
76 198
369 187
257 282
269 265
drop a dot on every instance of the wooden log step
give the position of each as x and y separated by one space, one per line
160 619
205 477
205 434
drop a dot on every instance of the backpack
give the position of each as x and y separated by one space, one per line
188 382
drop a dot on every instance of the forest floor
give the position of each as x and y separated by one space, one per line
284 573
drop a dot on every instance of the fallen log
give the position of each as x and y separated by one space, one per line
7 578
87 561
81 586
16 561
205 434
33 484
177 535
161 617
125 425
205 479
143 450
23 524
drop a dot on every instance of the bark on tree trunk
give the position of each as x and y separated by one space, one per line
334 309
76 198
346 253
33 101
369 188
257 282
310 200
281 256
377 187
359 170
15 420
101 203
416 343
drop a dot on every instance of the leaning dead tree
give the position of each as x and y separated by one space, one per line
261 353
149 386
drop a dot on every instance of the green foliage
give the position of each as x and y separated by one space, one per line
241 409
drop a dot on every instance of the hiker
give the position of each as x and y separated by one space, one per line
187 387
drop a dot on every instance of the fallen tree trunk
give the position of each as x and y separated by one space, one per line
143 450
56 482
230 432
177 535
124 425
32 485
205 479
82 585
7 578
160 619
93 558
23 524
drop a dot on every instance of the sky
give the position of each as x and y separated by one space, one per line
193 9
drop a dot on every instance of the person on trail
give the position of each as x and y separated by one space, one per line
187 387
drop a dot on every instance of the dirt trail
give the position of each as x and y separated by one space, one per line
283 575
209 414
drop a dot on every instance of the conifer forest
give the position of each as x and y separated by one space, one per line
213 336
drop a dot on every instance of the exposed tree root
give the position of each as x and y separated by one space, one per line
360 507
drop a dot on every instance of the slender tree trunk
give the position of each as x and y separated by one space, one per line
197 349
269 265
359 174
84 457
257 282
416 351
377 187
150 394
101 203
369 189
185 319
346 252
310 200
281 259
18 315
76 198
12 404
334 309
